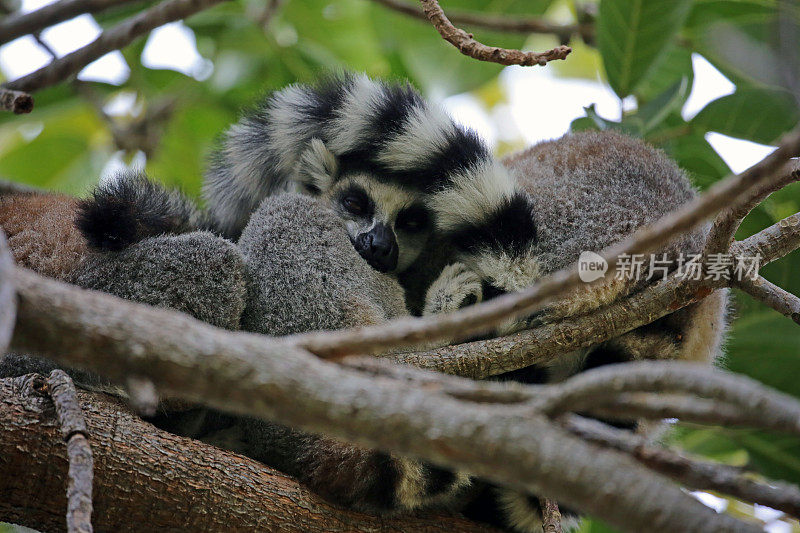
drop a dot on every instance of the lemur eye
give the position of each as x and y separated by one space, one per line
354 204
414 219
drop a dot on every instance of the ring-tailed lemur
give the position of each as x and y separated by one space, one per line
390 163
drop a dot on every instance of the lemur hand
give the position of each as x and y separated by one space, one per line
456 287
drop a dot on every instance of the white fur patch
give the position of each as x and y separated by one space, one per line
317 166
510 273
451 288
473 195
352 120
424 132
411 491
290 124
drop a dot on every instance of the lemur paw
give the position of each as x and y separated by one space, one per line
422 485
456 287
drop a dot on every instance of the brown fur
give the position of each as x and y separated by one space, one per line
41 232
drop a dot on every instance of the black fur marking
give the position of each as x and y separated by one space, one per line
437 480
130 208
672 327
604 355
361 197
533 375
462 151
414 219
392 114
510 229
328 95
386 482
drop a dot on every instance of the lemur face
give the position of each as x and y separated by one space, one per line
388 225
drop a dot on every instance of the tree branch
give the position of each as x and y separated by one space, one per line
728 221
468 46
255 375
632 406
699 475
551 516
62 392
780 300
773 242
147 476
112 39
15 101
499 23
19 24
776 410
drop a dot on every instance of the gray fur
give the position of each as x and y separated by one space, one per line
196 273
330 288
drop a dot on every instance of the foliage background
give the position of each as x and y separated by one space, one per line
643 49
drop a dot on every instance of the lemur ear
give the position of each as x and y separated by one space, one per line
317 167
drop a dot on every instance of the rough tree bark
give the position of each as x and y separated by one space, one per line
145 477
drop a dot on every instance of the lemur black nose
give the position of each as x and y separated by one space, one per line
379 248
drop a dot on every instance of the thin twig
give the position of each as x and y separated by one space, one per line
19 24
728 221
771 409
551 516
73 429
112 39
519 24
771 243
468 46
698 475
17 101
633 406
770 294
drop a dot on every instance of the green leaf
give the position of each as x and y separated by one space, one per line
677 65
654 112
737 37
67 155
634 36
758 115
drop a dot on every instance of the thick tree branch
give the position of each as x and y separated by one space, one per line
770 294
147 476
112 39
515 24
468 46
481 318
699 475
234 372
